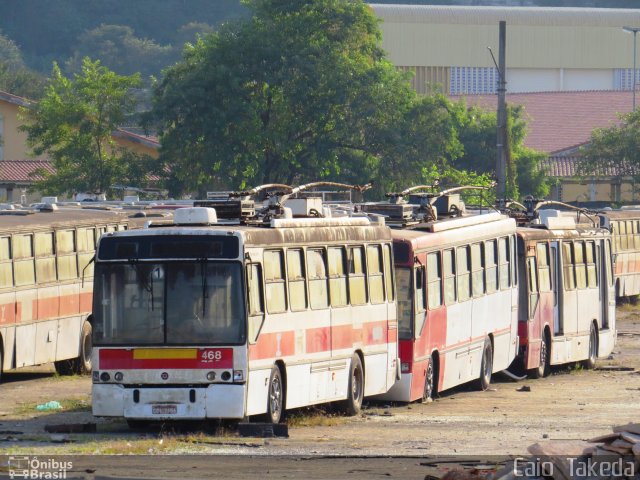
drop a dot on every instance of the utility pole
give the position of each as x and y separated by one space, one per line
633 30
501 161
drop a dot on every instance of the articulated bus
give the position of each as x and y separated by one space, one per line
567 294
625 230
46 279
250 314
457 293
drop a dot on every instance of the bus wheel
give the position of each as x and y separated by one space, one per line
429 382
487 366
590 362
543 369
86 345
81 364
276 396
355 390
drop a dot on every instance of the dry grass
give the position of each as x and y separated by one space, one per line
315 417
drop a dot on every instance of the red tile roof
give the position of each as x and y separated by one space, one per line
561 120
561 166
20 170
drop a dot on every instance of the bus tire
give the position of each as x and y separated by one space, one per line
275 396
545 360
81 364
429 382
355 389
590 362
486 367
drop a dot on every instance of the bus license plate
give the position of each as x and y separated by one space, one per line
164 409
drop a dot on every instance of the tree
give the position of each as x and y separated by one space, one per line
73 124
614 149
120 50
298 92
477 132
15 77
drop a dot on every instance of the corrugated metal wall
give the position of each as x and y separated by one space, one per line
437 36
428 79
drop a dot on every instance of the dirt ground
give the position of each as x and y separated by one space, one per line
572 403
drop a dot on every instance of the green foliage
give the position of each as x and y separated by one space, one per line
299 92
477 132
614 149
49 31
73 125
121 51
15 77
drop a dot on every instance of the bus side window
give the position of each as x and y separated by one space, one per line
86 248
357 276
317 271
567 268
274 281
297 280
581 268
255 300
419 290
503 263
592 268
490 255
388 273
636 237
477 268
24 268
623 235
45 259
374 265
542 254
337 278
434 280
66 255
6 270
464 277
449 277
533 286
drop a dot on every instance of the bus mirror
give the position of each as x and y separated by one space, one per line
93 259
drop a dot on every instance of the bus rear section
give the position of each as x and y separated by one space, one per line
567 294
203 320
624 225
457 295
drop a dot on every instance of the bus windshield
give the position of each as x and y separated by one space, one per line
172 303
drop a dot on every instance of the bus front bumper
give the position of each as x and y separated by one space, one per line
160 403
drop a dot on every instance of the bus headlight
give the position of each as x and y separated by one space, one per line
211 376
238 376
105 377
404 367
226 376
118 376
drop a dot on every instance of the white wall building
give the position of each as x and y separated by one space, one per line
548 49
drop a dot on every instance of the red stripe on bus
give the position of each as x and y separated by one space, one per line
86 301
123 359
7 313
273 345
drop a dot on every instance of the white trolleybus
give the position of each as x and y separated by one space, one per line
230 312
567 293
457 291
46 278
